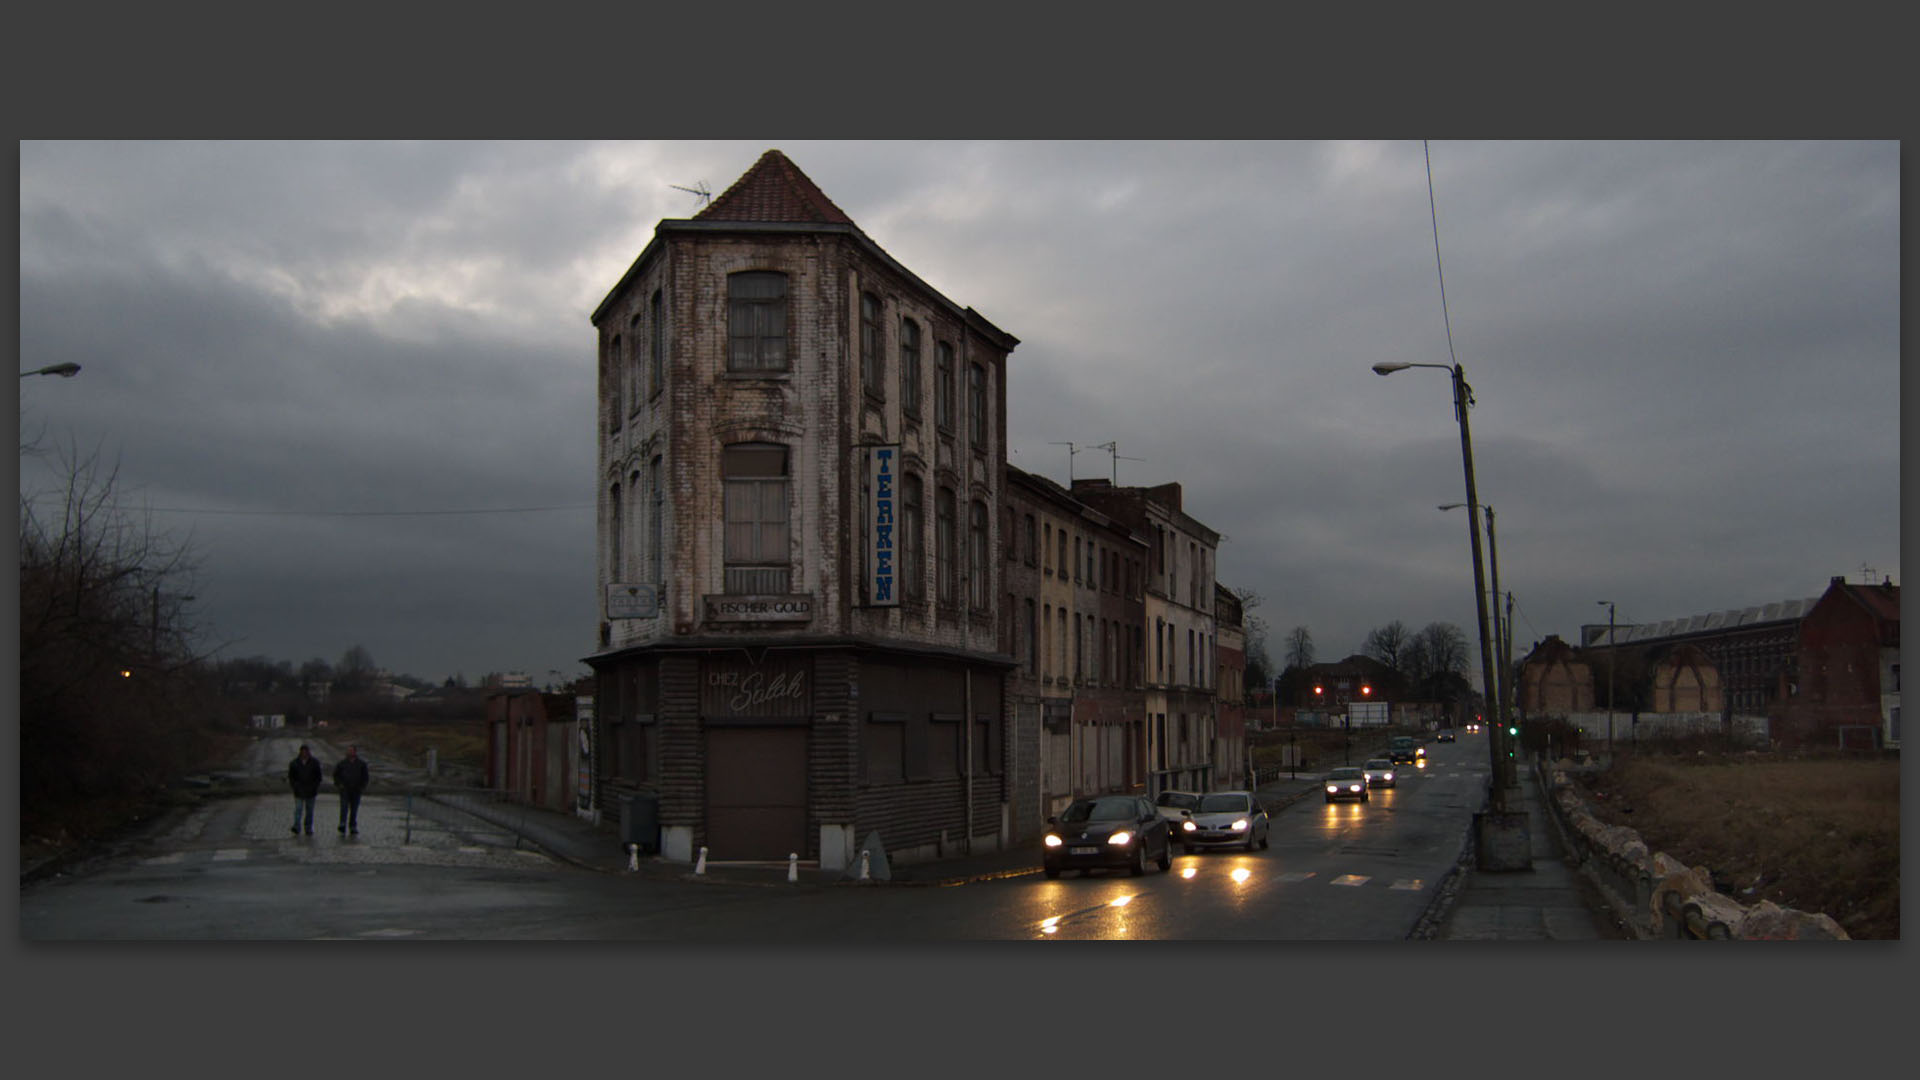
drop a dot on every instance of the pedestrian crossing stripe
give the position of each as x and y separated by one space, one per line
164 860
1406 883
1351 879
1296 876
230 855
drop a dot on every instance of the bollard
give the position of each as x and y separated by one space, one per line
793 866
700 867
633 856
863 865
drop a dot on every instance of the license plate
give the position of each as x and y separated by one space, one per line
1083 851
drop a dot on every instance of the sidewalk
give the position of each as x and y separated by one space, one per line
592 847
1549 902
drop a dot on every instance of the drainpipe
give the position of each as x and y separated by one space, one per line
970 755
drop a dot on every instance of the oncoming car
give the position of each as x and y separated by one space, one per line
1175 805
1225 819
1106 832
1445 734
1347 782
1379 772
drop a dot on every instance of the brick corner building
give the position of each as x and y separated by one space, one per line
801 451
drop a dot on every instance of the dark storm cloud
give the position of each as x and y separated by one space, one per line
1685 358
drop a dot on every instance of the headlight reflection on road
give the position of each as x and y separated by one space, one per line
1120 901
1240 875
1189 872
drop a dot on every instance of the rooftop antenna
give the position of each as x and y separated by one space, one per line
1072 449
699 189
1113 449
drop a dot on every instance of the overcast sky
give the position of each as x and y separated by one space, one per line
1685 357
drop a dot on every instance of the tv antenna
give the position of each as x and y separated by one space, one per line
699 189
1072 449
1113 449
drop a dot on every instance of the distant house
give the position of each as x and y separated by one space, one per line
1555 680
533 747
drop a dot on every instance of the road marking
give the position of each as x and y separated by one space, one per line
388 932
230 855
1351 879
164 860
1407 883
1296 876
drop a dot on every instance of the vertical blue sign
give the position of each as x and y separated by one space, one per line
882 575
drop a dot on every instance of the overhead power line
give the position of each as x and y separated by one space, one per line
370 513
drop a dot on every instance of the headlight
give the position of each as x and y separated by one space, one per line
1052 840
1389 776
1422 752
1333 789
1120 837
1240 826
1354 787
1189 826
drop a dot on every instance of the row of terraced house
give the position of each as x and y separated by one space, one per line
830 607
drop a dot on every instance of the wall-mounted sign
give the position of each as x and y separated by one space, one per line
758 609
777 686
882 497
632 601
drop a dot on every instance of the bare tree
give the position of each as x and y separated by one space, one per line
1299 648
104 638
1259 662
1389 645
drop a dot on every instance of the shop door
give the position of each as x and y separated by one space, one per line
756 792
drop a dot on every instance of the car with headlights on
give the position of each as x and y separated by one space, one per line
1175 806
1225 819
1347 782
1107 832
1379 772
1445 734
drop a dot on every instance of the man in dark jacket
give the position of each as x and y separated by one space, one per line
350 776
303 775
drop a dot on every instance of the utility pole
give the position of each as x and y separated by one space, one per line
1609 604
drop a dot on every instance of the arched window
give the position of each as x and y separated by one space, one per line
872 365
977 562
946 545
757 321
943 386
656 491
913 537
910 367
656 323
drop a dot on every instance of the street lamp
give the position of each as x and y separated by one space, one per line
1462 398
1502 628
65 371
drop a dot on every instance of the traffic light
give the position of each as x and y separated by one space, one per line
1365 690
1318 690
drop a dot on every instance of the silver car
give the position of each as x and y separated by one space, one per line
1225 819
1347 782
1379 772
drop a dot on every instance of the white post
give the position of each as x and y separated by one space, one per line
793 866
700 866
863 864
633 856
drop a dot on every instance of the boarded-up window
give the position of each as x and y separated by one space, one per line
883 748
944 751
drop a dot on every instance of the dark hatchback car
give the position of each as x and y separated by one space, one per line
1107 832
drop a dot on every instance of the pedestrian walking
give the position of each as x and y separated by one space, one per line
303 775
350 777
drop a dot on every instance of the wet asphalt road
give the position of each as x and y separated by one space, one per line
419 870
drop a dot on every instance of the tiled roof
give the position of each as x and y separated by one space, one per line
774 190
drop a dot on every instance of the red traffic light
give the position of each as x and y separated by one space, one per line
1365 690
1318 690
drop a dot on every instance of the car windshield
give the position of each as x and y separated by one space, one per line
1379 763
1109 809
1344 774
1178 800
1223 804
